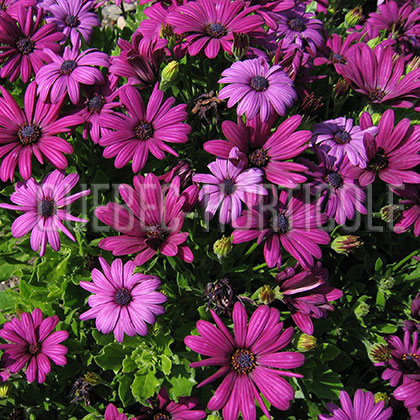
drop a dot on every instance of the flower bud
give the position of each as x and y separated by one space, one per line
390 213
380 353
240 44
267 294
381 396
306 342
223 246
92 378
415 307
341 88
213 416
170 72
386 283
361 310
346 244
376 117
353 16
374 42
4 390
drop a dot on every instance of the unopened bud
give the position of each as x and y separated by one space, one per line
374 42
170 72
341 88
346 244
386 283
267 295
380 353
390 213
223 246
353 16
361 310
213 416
92 378
4 390
306 342
240 44
381 396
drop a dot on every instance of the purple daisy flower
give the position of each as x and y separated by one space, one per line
44 206
258 88
364 408
287 222
151 223
409 393
67 72
297 27
339 137
74 19
210 24
187 408
144 129
11 7
228 187
122 301
411 216
33 344
392 152
30 131
335 183
254 145
22 43
112 413
307 294
250 361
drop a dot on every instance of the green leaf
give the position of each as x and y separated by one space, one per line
329 352
144 386
111 357
166 364
124 390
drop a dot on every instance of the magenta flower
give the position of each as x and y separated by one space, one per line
151 223
74 19
22 43
411 216
33 345
67 72
364 408
228 187
392 152
290 223
187 408
44 206
251 362
112 413
257 88
144 129
307 294
409 393
31 131
254 145
122 301
210 24
11 7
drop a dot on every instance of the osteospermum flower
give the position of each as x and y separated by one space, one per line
289 223
74 19
144 129
257 88
66 73
409 393
22 43
33 344
44 206
210 24
11 7
151 223
411 216
228 187
112 413
250 361
187 408
363 408
32 131
122 301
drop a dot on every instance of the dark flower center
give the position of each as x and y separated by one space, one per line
342 137
258 158
143 130
259 83
46 207
280 224
379 161
157 232
411 363
25 45
335 180
67 66
162 416
28 134
337 58
227 187
122 297
243 361
95 104
297 24
376 95
216 30
34 349
71 21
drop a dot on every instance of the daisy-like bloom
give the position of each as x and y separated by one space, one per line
251 362
409 392
151 223
66 73
44 206
122 301
11 7
22 43
30 131
364 408
187 408
411 216
112 413
378 75
210 24
74 19
336 185
392 152
289 223
228 187
253 145
307 294
33 344
257 88
341 138
297 27
144 129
